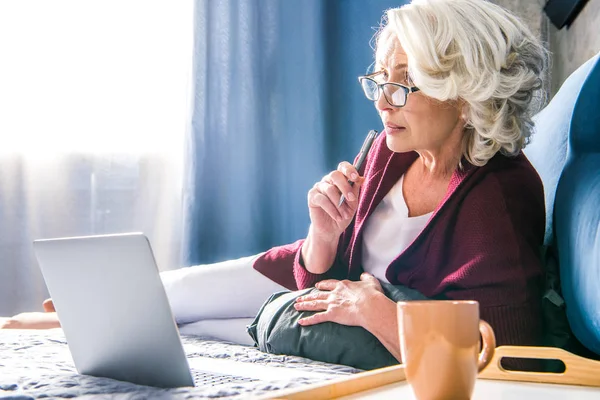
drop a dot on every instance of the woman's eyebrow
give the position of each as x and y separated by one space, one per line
400 66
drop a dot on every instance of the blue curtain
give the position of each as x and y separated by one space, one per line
276 106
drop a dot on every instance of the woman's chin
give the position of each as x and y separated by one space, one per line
397 145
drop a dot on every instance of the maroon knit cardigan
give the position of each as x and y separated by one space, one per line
481 243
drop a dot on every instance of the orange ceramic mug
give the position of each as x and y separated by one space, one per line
439 342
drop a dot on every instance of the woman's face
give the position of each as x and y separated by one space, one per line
423 124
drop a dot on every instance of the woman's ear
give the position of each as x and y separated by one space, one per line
464 111
463 106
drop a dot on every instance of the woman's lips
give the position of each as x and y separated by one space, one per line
393 129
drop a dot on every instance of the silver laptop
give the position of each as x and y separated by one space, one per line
117 320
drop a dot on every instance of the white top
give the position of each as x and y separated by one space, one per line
389 231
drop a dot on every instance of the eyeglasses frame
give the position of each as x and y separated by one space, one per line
407 89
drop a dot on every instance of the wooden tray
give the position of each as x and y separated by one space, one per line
391 381
578 370
335 388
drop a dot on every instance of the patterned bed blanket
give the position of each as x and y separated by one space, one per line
38 364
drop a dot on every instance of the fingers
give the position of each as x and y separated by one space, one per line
327 196
347 173
348 170
327 192
341 182
314 305
370 279
315 319
348 181
313 296
367 277
321 195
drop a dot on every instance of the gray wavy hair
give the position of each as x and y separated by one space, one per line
479 52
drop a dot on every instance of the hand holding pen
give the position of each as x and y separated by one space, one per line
362 155
333 201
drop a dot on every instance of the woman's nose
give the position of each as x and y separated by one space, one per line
381 104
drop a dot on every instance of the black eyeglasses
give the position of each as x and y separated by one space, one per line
395 93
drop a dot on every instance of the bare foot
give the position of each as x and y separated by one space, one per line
31 320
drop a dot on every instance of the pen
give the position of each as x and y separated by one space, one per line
364 150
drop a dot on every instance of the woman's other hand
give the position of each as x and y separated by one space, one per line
327 220
344 302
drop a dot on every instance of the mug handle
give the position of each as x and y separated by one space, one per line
489 345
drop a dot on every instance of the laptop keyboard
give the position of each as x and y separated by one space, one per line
202 378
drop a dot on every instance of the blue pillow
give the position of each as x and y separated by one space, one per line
577 216
548 148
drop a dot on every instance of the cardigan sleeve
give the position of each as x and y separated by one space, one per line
305 279
284 265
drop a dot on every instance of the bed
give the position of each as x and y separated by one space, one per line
37 364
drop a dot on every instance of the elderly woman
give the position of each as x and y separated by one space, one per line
446 203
